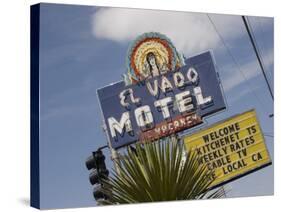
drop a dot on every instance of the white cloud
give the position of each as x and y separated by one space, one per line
190 32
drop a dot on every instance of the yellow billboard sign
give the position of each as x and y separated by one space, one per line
232 148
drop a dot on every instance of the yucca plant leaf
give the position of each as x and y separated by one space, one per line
159 171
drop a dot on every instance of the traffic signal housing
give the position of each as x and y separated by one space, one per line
98 174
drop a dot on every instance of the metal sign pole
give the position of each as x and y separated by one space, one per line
224 191
114 153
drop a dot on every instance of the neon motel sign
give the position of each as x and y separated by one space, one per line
163 104
183 102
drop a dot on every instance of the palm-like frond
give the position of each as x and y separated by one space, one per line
158 172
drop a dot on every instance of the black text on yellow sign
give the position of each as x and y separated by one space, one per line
231 148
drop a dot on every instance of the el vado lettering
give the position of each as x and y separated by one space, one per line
185 102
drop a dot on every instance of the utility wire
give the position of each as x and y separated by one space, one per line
258 49
233 58
256 44
263 44
257 54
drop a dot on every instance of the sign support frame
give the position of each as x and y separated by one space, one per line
114 153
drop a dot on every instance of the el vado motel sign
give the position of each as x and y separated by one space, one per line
161 94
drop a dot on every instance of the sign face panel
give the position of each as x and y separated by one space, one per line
162 105
231 148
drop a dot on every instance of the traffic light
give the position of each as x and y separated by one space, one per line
98 174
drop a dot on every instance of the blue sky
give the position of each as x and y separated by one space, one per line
84 48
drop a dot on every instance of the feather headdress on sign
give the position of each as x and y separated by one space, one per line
151 54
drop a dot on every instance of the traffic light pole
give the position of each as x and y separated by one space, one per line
96 164
114 153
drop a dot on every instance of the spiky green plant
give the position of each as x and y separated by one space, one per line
158 171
